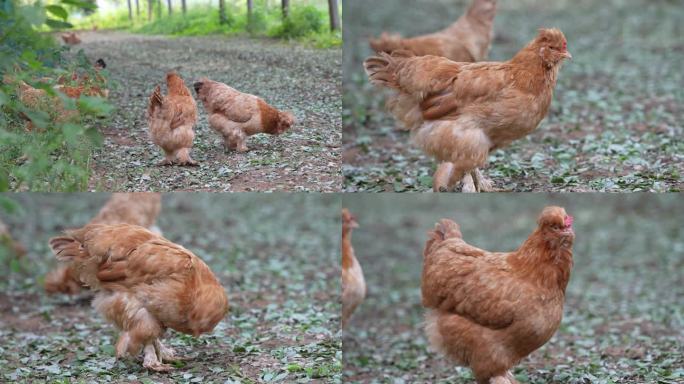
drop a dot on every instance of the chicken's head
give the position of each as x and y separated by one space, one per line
176 85
348 220
555 224
285 121
552 46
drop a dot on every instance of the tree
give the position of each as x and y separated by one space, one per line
149 10
185 7
222 12
334 15
286 8
130 10
250 12
137 8
170 10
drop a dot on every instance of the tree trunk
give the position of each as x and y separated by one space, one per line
159 9
334 15
137 8
170 10
185 7
130 10
286 8
149 10
222 12
250 13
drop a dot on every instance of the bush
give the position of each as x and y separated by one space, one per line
301 22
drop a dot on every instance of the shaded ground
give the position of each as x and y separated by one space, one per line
615 123
623 319
275 255
290 77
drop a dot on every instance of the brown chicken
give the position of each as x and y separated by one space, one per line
122 208
466 40
73 87
171 119
145 284
459 112
236 115
353 283
71 38
488 310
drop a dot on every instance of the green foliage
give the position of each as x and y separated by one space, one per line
301 22
52 151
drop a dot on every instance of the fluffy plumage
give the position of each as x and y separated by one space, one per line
122 208
459 112
488 310
466 40
145 284
236 115
71 38
171 119
353 282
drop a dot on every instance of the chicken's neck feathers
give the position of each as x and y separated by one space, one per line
543 263
348 258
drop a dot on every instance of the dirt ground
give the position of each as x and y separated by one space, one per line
615 123
291 77
275 255
623 320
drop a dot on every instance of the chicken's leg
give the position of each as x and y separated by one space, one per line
152 361
165 353
169 157
442 176
184 158
468 184
482 184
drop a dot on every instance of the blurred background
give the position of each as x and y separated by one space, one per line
276 255
615 122
623 319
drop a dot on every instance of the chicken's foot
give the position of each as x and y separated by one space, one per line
482 184
152 361
165 353
442 176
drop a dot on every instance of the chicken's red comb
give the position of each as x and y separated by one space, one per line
565 45
568 221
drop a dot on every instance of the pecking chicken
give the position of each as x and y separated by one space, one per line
466 40
488 310
459 112
71 38
236 115
353 283
122 208
145 284
171 119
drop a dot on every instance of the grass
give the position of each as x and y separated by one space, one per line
623 319
307 24
614 124
276 256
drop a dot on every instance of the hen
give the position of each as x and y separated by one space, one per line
466 40
122 208
459 112
171 119
236 115
353 283
71 38
145 284
488 310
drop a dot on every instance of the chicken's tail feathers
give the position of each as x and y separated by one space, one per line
382 69
385 43
444 230
66 248
156 100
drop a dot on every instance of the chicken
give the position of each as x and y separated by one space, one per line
73 87
459 112
71 38
353 283
171 119
6 240
145 284
466 40
488 310
236 115
122 208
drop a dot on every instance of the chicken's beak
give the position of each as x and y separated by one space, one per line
567 55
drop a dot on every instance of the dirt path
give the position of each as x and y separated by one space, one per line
291 77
